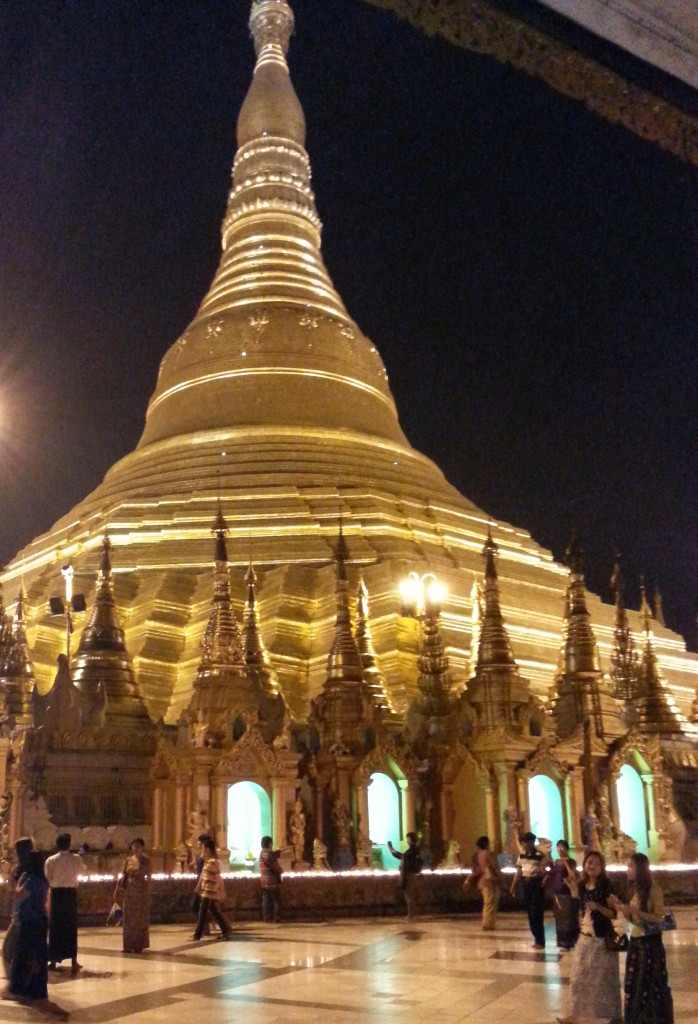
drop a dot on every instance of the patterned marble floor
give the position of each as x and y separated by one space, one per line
436 970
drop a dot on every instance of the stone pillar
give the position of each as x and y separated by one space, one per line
492 806
447 814
219 816
362 820
157 818
650 816
577 811
407 807
522 791
179 812
278 813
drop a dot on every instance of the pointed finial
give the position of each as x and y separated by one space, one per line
574 555
220 529
341 553
271 25
105 557
658 610
490 552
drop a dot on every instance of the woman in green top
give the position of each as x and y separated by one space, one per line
647 993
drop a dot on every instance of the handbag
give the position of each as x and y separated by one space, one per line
616 942
667 924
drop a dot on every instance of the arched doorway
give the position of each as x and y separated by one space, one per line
384 815
631 807
249 818
545 807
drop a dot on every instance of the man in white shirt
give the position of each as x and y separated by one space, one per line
62 871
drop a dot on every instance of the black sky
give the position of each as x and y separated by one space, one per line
527 270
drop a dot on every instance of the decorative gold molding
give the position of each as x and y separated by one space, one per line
475 25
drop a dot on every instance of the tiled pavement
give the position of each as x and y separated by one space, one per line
436 970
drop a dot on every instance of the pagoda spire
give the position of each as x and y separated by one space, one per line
656 709
16 671
624 657
101 669
343 704
221 646
658 611
254 649
496 684
272 343
367 652
579 683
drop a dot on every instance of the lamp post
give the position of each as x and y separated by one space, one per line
73 603
422 596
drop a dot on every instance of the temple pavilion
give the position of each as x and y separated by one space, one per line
245 661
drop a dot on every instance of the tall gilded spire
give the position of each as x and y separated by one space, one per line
343 704
496 685
101 666
624 659
256 656
367 652
579 684
656 710
221 646
272 343
16 672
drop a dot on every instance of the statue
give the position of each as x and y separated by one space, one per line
320 862
591 830
453 855
297 832
342 824
364 852
512 828
197 825
623 848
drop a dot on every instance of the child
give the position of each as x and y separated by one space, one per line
270 870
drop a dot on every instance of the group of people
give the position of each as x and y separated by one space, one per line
39 938
586 912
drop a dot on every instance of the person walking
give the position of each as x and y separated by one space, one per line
648 997
211 890
196 901
565 907
271 873
133 889
595 977
62 874
488 879
531 866
410 866
23 847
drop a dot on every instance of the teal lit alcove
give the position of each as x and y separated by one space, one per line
631 807
384 816
545 806
249 818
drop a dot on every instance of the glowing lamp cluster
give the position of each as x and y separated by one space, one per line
422 595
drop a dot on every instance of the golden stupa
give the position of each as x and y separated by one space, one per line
275 407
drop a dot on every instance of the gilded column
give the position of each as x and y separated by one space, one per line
650 816
278 812
219 801
522 790
179 813
407 808
492 806
363 822
157 818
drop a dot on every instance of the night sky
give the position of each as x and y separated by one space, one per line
527 271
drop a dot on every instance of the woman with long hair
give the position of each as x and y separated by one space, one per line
595 978
565 911
647 994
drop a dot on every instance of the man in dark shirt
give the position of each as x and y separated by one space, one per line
410 867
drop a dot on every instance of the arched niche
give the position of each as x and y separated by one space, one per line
631 806
384 815
249 818
545 808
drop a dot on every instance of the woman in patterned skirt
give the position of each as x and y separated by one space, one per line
595 978
647 993
133 892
